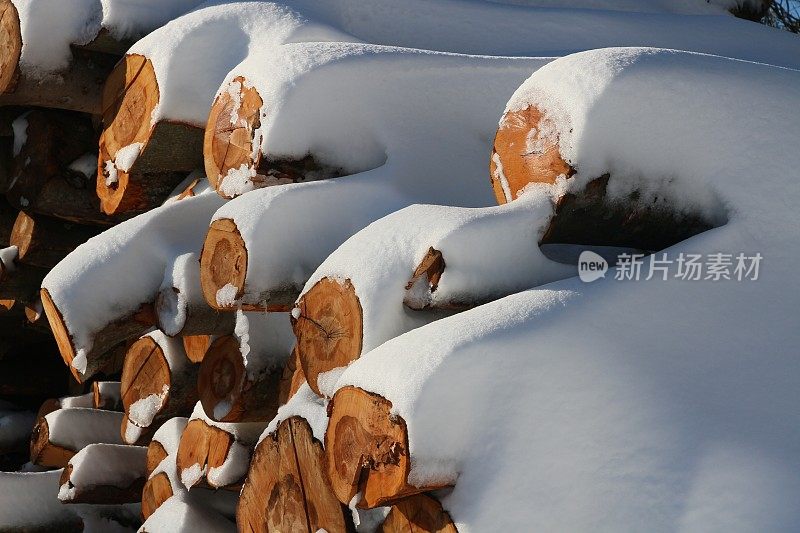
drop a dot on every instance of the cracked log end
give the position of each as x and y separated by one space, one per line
223 263
227 393
525 151
10 45
155 454
156 491
367 450
228 141
329 329
203 445
418 514
145 372
286 488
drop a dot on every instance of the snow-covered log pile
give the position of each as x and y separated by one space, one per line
290 265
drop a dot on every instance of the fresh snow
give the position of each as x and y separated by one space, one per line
20 128
83 400
169 434
48 27
226 296
85 164
180 514
77 427
103 265
104 464
29 499
8 257
614 405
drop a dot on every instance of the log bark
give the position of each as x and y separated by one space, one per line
77 88
107 338
223 267
329 328
20 282
287 488
526 151
157 489
367 450
50 447
428 273
202 446
196 346
167 151
122 475
147 373
107 395
43 241
418 514
223 381
53 172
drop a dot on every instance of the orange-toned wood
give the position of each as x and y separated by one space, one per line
155 454
367 450
102 494
156 491
418 514
292 377
44 452
107 395
227 393
10 45
43 241
525 151
429 271
329 329
223 261
203 445
106 338
196 346
286 487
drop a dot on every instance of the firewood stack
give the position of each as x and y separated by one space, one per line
184 360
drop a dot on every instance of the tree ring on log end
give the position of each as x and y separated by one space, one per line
156 491
329 328
223 264
221 379
145 373
10 45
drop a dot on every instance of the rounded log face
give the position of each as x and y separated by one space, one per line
155 454
202 445
286 487
232 122
223 264
10 45
60 332
418 514
329 329
525 151
221 379
196 347
144 373
45 453
156 491
129 97
367 450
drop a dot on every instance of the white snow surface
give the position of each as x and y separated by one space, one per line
244 432
306 404
223 39
143 411
15 427
104 464
83 400
8 257
479 265
665 405
179 291
102 265
265 340
77 427
179 514
20 129
29 499
85 164
169 434
48 27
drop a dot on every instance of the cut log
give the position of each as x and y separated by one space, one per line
292 377
196 346
140 163
54 168
367 450
78 88
181 307
155 492
224 385
104 474
104 340
61 434
217 455
287 488
223 267
526 151
107 395
165 442
329 328
43 242
10 45
158 382
425 278
20 282
233 155
418 514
